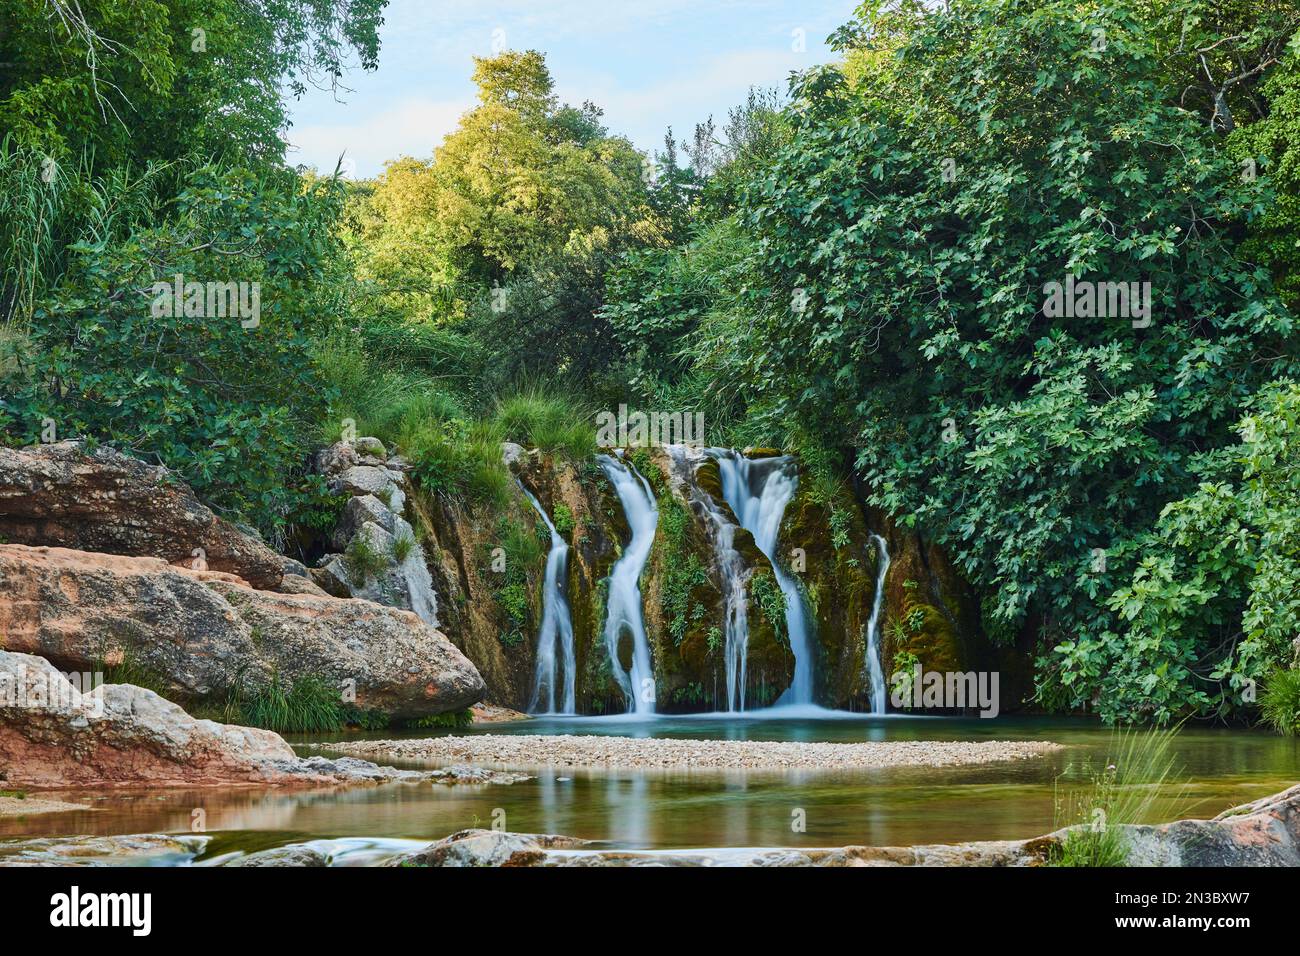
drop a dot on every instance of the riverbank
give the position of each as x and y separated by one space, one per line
626 753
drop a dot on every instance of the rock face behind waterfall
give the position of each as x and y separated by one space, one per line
201 633
824 542
65 496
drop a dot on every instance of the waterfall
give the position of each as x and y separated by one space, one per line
758 491
733 574
624 602
875 663
555 636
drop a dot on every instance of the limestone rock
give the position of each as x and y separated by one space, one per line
202 632
298 857
66 496
372 480
371 446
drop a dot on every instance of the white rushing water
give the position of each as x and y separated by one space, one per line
733 574
875 666
758 491
555 636
624 602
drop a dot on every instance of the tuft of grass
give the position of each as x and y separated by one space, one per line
403 546
452 720
309 705
1279 701
131 670
557 425
364 561
1138 772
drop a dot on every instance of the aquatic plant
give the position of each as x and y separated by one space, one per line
1139 770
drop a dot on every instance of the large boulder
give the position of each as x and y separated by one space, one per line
202 633
53 736
65 495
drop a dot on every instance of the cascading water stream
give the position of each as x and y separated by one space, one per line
555 636
758 491
624 601
733 574
875 666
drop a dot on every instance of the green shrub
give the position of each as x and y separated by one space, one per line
1279 701
563 519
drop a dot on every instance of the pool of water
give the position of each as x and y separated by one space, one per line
685 808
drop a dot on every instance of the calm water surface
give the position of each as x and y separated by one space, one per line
709 808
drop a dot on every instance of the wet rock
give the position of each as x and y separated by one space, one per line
487 848
138 849
66 496
298 856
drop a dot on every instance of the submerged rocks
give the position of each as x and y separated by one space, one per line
1264 833
201 633
488 848
64 495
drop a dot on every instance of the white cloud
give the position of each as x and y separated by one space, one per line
413 127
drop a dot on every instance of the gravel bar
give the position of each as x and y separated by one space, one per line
628 753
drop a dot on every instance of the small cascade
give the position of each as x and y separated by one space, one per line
555 636
875 663
624 602
758 491
419 586
734 576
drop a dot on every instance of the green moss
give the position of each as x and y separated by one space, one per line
563 519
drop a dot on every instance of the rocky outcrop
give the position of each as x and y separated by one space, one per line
68 496
1264 833
200 634
52 736
378 555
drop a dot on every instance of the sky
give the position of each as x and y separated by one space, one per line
650 64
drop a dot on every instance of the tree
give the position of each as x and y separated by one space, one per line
912 227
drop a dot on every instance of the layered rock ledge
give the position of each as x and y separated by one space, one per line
626 753
65 495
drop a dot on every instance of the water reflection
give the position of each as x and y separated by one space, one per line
687 808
